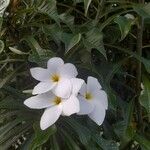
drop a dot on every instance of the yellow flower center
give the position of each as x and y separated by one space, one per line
57 100
55 78
88 96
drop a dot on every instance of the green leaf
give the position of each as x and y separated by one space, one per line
146 62
1 21
67 19
143 10
73 41
69 141
7 127
123 128
13 135
27 143
34 45
49 8
124 25
11 103
105 144
94 39
9 76
39 55
54 32
145 95
83 132
54 143
41 137
145 143
86 5
1 46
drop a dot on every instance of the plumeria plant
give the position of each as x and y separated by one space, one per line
74 75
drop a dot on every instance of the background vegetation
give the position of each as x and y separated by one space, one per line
100 40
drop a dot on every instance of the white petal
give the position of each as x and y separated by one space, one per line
40 74
85 106
68 70
76 85
101 97
54 63
63 88
70 106
98 114
43 87
83 89
50 116
40 101
93 84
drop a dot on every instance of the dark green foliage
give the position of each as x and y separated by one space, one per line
96 36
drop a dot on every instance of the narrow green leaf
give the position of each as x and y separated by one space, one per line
69 141
86 5
94 40
105 144
34 45
143 10
83 132
1 21
41 137
49 8
145 143
1 46
9 76
13 135
11 103
145 95
54 143
67 19
6 128
146 62
124 25
75 40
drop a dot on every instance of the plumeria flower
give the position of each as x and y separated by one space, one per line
55 106
3 6
93 100
55 77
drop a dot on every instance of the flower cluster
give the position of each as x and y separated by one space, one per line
60 92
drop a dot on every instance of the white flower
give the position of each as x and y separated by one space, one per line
3 6
55 106
56 77
93 100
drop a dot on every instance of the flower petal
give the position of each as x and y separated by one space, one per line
85 106
63 88
40 74
93 84
100 96
83 89
43 87
40 101
76 85
98 114
50 116
70 106
68 70
54 63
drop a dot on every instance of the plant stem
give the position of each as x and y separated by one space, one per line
138 72
99 11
